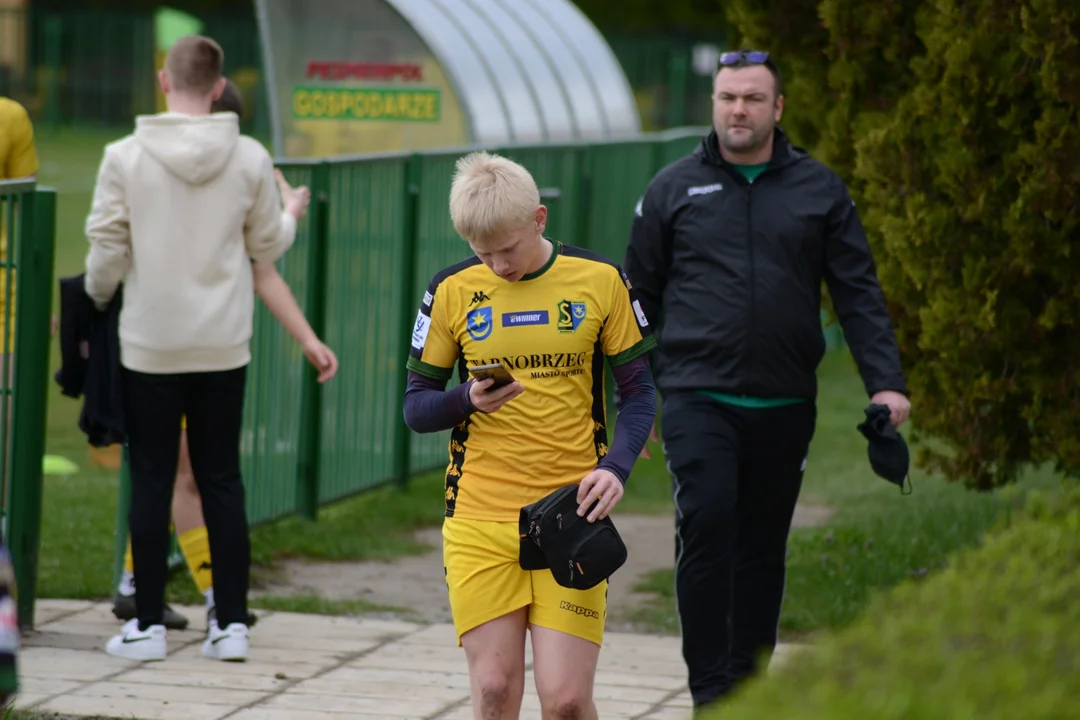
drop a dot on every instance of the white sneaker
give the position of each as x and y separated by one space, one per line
230 644
135 644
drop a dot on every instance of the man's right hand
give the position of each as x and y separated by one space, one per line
488 401
295 200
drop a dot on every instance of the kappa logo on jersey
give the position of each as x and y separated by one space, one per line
704 189
478 297
479 323
570 315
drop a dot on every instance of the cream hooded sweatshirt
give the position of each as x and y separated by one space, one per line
179 208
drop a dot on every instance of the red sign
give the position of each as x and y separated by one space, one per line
364 71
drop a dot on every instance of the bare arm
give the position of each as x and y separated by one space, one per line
275 292
277 296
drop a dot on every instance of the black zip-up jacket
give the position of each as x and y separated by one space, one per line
90 361
731 272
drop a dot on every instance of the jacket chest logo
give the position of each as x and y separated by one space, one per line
704 189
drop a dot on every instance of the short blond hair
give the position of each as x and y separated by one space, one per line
491 195
195 64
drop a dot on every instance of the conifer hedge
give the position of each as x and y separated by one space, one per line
956 125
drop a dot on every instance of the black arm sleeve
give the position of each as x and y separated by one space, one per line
430 407
637 410
860 304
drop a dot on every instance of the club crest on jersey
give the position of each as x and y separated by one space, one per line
479 324
570 315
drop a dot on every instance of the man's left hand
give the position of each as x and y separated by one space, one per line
898 404
602 486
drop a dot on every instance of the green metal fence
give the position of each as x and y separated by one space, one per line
27 233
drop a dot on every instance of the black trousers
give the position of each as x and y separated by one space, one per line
214 405
736 474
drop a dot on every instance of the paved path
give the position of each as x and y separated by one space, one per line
310 667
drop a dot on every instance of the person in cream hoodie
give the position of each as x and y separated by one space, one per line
181 208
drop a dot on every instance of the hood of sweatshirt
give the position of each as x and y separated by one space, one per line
195 148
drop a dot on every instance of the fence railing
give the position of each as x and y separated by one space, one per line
27 235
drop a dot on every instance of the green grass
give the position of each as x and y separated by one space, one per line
876 537
316 605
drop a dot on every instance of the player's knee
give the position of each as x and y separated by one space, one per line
567 703
496 690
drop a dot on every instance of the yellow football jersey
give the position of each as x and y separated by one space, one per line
552 329
18 157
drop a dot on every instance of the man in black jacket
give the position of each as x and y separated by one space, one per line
727 252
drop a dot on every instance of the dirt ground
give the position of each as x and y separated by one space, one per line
417 583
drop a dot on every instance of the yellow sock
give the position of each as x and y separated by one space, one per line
129 559
195 544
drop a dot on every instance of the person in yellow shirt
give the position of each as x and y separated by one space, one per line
18 159
18 155
551 314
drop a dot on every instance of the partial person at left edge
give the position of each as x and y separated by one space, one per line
18 159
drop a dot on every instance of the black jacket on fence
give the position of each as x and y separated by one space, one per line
730 275
90 362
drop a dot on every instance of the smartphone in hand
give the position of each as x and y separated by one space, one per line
497 371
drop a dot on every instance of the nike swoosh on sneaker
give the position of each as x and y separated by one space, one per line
218 639
128 640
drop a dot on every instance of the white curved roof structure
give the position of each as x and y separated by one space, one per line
521 71
527 70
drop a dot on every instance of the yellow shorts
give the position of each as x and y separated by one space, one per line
486 582
183 422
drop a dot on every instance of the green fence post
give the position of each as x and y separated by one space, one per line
36 238
307 486
411 190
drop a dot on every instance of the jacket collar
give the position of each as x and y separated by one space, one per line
784 153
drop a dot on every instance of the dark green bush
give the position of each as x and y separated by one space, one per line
972 192
793 33
845 64
956 126
995 635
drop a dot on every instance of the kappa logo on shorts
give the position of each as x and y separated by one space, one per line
578 610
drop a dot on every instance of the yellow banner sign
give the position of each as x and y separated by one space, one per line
330 103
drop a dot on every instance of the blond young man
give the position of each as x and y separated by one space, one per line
187 512
553 313
179 208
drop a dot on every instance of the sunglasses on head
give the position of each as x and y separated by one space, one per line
754 57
